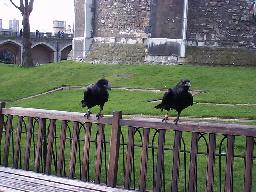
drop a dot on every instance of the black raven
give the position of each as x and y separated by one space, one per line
96 95
177 98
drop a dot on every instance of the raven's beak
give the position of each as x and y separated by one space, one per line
109 87
188 84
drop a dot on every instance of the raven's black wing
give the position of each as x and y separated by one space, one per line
189 99
102 97
166 100
90 96
184 100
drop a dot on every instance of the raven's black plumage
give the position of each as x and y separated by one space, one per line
96 95
177 98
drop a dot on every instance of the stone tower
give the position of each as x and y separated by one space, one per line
137 31
134 30
82 28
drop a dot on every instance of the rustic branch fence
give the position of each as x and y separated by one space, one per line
141 154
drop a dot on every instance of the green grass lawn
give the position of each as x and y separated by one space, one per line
223 85
131 103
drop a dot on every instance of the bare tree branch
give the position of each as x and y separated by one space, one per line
21 3
31 6
21 7
14 4
26 3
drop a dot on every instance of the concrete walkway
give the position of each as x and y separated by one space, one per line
16 180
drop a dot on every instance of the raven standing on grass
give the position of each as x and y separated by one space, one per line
96 95
177 98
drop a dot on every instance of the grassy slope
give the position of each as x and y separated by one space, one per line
222 84
130 103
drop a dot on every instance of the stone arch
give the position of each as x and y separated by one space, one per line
10 51
64 52
43 53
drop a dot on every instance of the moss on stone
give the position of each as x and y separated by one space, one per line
220 56
116 53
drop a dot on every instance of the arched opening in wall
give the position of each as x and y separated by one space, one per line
7 57
42 54
10 53
65 52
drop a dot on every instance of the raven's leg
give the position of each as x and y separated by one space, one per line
100 114
166 117
87 115
177 119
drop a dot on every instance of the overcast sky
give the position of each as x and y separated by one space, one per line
43 14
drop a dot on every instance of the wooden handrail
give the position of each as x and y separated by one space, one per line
54 114
189 126
206 127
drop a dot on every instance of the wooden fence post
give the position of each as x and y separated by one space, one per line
2 105
248 164
114 149
129 158
86 150
160 161
210 163
42 127
28 143
17 150
73 152
228 187
176 160
8 134
50 139
144 160
192 182
61 155
99 151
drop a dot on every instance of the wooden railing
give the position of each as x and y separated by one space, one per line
45 143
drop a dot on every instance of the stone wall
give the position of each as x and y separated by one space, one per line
220 56
221 23
154 28
116 52
121 18
221 33
166 18
118 22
